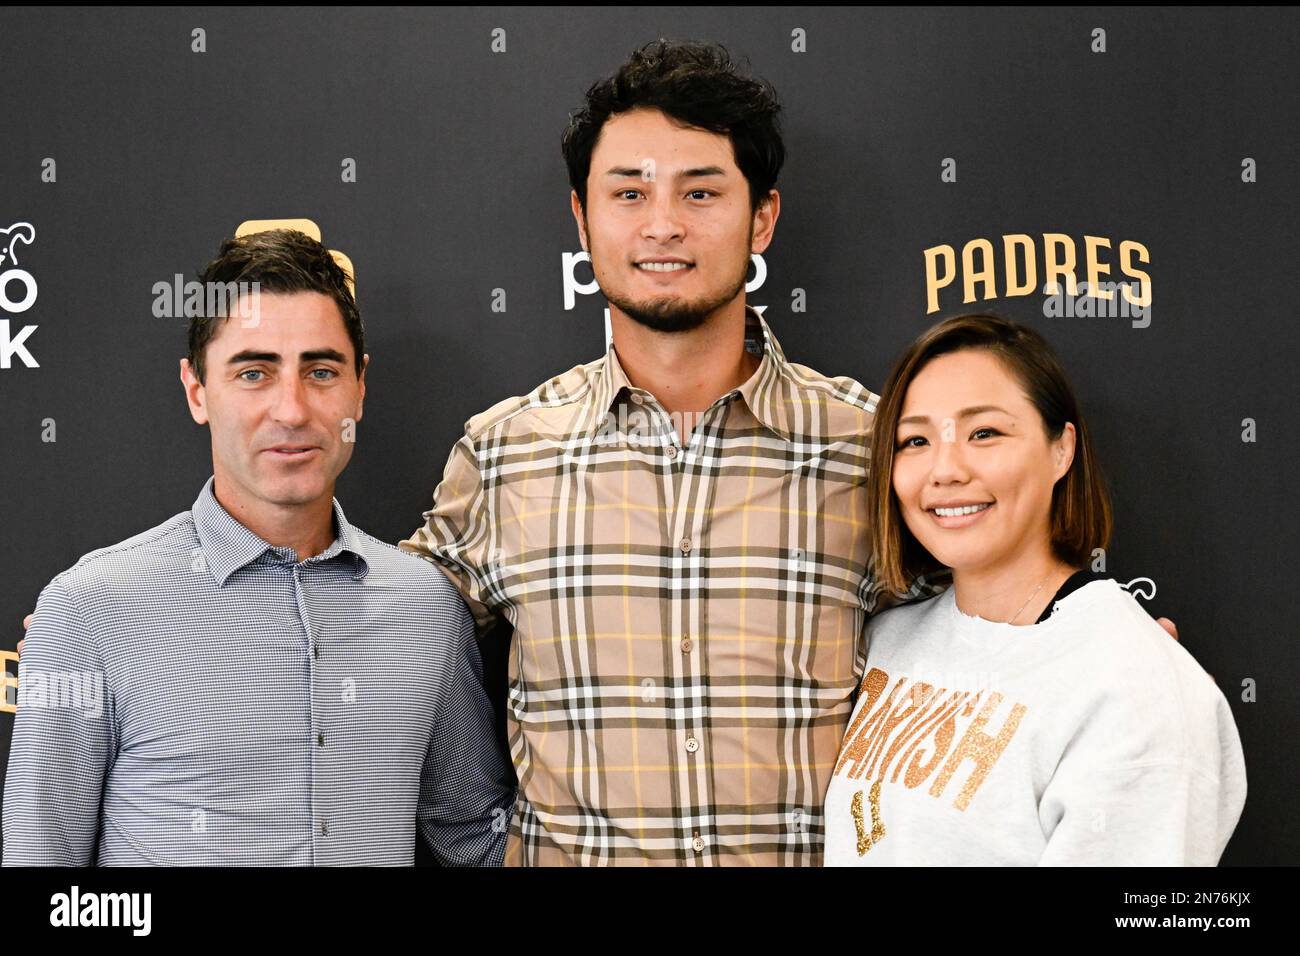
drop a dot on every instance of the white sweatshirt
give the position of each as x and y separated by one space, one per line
1092 738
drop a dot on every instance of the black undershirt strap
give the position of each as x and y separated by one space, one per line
1075 581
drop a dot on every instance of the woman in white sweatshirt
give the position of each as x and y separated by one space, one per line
1033 713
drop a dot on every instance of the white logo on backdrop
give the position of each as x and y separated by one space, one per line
11 345
573 288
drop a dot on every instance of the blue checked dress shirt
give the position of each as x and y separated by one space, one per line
195 696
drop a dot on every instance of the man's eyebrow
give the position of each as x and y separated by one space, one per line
633 172
317 355
964 413
250 356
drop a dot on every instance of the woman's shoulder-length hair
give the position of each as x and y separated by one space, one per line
1081 509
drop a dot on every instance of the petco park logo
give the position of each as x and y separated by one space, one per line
17 295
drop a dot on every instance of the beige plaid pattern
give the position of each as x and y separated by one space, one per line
687 621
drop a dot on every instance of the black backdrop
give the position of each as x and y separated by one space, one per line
160 151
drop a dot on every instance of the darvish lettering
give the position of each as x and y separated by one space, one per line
910 731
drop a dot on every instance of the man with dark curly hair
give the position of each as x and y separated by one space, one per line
675 530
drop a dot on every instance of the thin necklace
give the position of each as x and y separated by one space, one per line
1031 597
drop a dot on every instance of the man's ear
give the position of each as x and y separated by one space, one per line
578 217
764 224
361 387
195 394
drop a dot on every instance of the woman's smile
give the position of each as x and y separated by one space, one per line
959 516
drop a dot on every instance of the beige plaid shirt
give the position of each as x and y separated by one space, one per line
688 621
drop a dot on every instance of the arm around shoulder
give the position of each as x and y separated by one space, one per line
456 535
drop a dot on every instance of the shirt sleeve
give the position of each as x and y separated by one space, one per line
457 535
1172 812
467 786
874 598
63 740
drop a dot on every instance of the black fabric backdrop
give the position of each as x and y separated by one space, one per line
161 151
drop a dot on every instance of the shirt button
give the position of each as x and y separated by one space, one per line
315 652
685 546
692 745
698 844
637 399
320 740
324 830
671 452
686 645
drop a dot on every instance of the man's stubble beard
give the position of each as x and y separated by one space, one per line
671 314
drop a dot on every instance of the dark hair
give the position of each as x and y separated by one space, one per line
1081 510
697 84
278 260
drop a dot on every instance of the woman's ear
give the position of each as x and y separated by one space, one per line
1063 450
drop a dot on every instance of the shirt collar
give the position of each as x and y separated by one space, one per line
229 545
767 392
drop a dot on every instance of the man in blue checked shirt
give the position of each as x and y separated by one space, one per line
256 681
